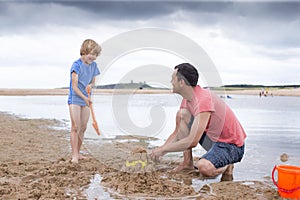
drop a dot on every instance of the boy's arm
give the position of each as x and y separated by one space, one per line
77 90
89 87
92 84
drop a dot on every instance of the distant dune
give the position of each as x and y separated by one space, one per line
145 89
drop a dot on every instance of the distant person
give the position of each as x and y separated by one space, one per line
82 75
203 118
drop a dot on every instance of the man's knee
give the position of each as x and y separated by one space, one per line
205 167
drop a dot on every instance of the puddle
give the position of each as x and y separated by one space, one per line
96 191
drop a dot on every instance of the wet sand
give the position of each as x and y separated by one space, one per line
35 164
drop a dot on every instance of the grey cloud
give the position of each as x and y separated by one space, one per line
268 24
272 24
38 12
123 10
20 17
21 14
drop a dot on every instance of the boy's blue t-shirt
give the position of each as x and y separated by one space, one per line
85 73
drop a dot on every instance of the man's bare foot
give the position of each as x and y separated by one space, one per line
229 170
181 167
228 173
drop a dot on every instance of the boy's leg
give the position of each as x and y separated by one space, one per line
84 118
75 122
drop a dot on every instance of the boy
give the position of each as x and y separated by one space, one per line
83 72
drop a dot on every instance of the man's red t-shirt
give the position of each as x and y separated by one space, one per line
223 126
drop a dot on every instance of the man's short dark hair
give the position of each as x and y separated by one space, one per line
188 73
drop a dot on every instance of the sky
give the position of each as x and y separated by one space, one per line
248 42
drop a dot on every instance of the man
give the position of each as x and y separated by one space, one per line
203 118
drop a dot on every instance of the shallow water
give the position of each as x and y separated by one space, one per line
272 124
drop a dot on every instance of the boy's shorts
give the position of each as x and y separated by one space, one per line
219 154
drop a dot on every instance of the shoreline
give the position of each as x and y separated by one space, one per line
271 92
35 164
62 92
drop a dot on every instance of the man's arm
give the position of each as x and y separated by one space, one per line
173 136
197 129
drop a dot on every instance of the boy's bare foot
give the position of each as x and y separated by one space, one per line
81 157
181 167
74 160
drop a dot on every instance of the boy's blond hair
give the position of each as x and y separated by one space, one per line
88 46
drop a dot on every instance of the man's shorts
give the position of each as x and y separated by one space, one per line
219 154
222 154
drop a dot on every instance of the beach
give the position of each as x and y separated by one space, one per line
35 164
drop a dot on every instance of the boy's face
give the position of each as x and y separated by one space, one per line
89 58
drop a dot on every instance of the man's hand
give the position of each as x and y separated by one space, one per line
157 153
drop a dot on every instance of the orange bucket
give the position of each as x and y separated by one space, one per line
288 181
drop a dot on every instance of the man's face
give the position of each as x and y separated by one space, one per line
175 82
